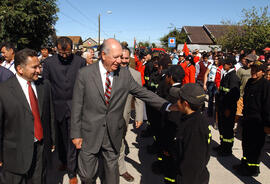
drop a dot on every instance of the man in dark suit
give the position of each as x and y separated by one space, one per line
26 119
97 122
5 74
61 70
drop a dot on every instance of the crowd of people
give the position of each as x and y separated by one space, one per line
238 92
80 104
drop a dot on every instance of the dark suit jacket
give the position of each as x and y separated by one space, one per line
5 74
62 78
17 123
90 115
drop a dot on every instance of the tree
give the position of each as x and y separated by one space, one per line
252 32
28 23
180 37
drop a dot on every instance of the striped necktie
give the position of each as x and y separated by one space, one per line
108 88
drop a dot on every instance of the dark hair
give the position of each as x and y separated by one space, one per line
8 46
21 56
176 72
165 61
192 106
126 48
64 41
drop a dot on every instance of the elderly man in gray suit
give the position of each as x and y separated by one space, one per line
125 59
97 123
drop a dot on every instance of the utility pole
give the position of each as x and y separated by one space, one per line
98 29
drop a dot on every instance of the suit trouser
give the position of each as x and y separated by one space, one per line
67 150
253 140
35 173
121 160
88 163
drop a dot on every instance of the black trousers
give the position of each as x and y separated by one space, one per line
66 149
35 175
253 140
155 119
225 127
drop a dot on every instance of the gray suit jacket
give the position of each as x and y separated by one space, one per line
90 115
138 103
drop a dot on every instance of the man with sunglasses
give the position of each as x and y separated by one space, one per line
61 70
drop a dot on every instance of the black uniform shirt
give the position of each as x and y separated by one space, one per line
229 91
193 138
256 101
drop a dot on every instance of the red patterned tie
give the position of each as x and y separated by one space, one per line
108 88
34 106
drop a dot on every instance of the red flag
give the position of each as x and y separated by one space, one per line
135 44
185 49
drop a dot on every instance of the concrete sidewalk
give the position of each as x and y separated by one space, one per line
220 168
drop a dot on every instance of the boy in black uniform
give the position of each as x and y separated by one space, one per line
193 137
174 77
256 120
227 97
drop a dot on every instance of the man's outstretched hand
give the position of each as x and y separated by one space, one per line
77 142
138 124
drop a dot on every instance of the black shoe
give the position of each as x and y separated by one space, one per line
223 153
248 171
238 166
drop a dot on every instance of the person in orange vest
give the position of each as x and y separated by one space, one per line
196 58
189 68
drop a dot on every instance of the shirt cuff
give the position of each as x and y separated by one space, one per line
167 108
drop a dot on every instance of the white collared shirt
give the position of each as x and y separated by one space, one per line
24 86
103 72
9 65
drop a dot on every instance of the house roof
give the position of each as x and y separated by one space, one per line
216 31
89 42
197 35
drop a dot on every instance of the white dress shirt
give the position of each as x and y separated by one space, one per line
10 66
24 86
103 72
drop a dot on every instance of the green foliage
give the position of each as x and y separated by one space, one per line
252 32
27 23
180 37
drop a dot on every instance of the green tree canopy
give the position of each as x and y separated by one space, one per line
252 32
180 37
27 23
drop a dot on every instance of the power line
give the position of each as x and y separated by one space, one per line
85 16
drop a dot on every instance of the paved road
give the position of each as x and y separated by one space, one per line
220 168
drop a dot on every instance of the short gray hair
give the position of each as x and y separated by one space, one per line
105 48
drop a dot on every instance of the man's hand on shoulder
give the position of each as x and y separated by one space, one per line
173 107
77 142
